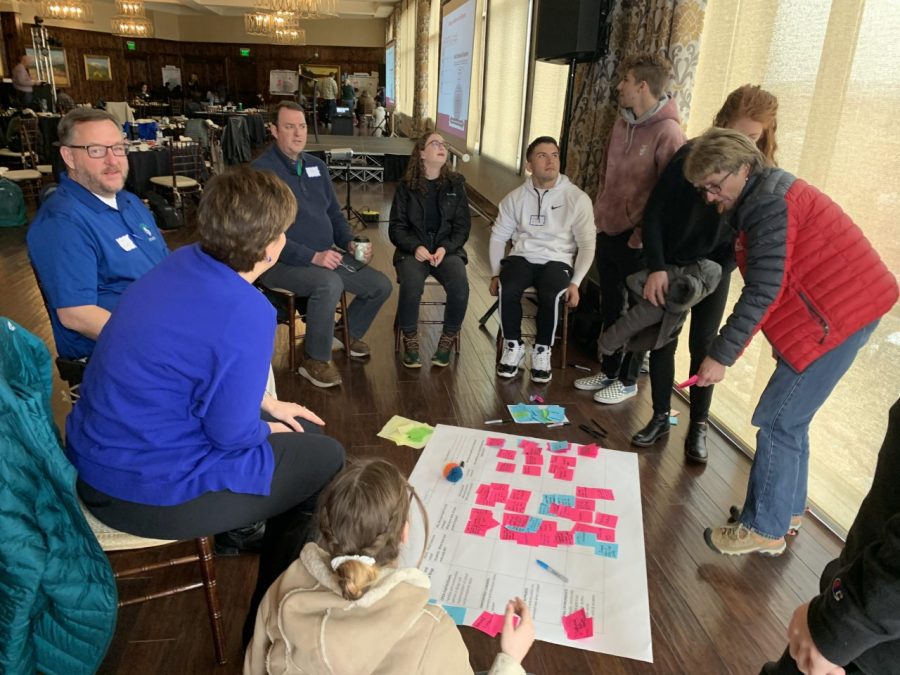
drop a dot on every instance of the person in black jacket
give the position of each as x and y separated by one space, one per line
429 226
680 228
855 618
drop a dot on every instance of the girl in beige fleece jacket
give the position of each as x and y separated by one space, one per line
345 608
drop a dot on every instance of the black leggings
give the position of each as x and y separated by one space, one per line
550 279
706 317
304 464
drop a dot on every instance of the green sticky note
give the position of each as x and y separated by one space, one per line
418 434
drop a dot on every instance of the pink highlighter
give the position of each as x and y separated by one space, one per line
688 382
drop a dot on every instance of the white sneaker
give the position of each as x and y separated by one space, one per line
540 364
615 393
594 382
512 358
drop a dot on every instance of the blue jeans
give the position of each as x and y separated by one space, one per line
777 486
323 287
411 275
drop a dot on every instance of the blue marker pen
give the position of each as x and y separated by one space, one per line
552 571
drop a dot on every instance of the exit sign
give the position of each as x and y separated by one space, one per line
129 44
245 51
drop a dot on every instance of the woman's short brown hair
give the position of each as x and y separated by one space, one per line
721 150
243 211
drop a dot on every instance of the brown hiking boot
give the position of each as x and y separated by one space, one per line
738 540
411 358
320 373
444 347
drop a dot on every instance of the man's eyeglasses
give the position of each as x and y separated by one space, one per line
713 188
99 151
438 144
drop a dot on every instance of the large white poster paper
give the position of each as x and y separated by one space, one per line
576 509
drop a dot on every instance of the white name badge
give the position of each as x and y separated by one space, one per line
125 242
313 171
537 220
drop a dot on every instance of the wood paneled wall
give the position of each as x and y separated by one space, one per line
212 62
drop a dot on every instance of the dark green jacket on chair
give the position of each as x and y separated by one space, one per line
57 591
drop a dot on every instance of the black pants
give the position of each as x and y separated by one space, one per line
550 280
706 317
304 464
411 275
615 261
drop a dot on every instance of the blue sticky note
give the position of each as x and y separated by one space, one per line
607 550
586 539
544 509
458 614
559 446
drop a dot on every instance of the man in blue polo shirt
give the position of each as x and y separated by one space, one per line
309 266
91 238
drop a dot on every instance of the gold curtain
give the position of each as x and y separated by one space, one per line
420 95
670 27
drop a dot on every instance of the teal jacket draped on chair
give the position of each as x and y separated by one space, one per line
57 591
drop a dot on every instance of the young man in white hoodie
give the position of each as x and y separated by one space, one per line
551 224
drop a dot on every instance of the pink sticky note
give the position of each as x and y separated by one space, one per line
554 509
500 491
565 538
584 516
525 444
578 625
487 623
494 442
604 493
531 470
520 494
590 450
606 520
507 535
584 503
506 454
566 474
515 519
533 538
606 534
517 505
505 467
547 539
534 458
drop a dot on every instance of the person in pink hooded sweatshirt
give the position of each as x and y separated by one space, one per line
642 142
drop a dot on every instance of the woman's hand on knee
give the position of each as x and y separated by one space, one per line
286 413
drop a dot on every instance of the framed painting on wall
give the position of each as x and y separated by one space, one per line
97 68
57 62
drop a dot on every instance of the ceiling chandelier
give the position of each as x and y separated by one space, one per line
290 36
304 9
131 19
268 23
68 10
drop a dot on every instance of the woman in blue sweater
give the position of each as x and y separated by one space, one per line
173 436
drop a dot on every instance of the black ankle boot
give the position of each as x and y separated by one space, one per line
656 428
695 443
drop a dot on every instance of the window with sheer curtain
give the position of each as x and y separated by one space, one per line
548 100
834 67
508 28
406 57
434 52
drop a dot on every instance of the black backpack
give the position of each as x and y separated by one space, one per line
167 216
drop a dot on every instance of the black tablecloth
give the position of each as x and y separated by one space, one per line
142 166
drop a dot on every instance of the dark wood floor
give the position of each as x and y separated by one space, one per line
709 614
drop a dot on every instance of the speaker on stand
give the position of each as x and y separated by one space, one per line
571 32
